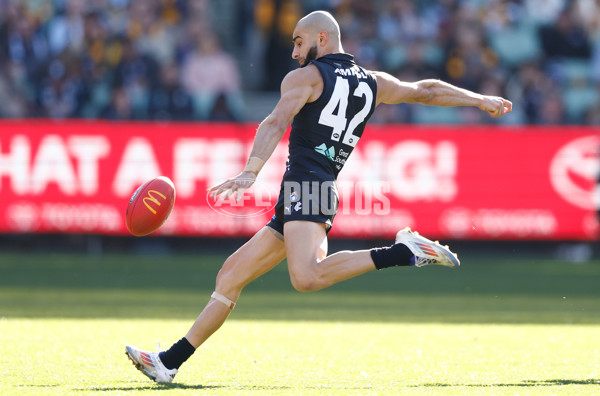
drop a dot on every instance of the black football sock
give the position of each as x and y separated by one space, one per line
177 354
392 256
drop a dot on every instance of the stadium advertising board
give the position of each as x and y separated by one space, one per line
447 182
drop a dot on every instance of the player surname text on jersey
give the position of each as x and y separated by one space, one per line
353 71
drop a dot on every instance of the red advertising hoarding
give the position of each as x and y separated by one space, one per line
447 182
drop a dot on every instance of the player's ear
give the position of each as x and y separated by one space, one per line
323 38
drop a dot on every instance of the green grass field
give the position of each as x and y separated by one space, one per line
493 327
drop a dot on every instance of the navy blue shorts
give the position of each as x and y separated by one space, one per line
305 196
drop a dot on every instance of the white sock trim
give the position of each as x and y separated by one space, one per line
223 299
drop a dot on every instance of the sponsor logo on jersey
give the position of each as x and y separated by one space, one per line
294 197
327 152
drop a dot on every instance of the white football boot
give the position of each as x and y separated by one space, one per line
149 364
426 251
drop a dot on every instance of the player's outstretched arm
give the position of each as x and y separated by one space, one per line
436 93
297 88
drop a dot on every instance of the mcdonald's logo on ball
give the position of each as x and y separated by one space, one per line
150 206
151 197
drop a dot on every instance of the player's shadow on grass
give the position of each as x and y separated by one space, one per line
162 386
156 386
524 383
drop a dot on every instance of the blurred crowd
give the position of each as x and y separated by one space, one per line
114 59
205 59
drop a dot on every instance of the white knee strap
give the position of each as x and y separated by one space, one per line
223 299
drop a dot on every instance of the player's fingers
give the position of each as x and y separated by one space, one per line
499 110
213 194
228 193
224 196
222 188
229 187
225 186
239 194
215 191
495 113
228 183
216 187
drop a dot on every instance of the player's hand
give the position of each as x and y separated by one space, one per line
496 106
236 185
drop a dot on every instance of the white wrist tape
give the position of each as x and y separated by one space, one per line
223 299
254 165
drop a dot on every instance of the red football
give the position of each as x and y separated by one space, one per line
150 205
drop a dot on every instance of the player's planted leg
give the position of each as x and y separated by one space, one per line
150 364
259 255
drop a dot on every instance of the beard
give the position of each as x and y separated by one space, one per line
311 55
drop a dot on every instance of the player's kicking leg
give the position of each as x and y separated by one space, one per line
259 255
310 270
426 252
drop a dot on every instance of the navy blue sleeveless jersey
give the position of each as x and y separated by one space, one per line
325 132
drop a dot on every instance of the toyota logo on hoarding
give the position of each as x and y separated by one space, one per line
574 171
